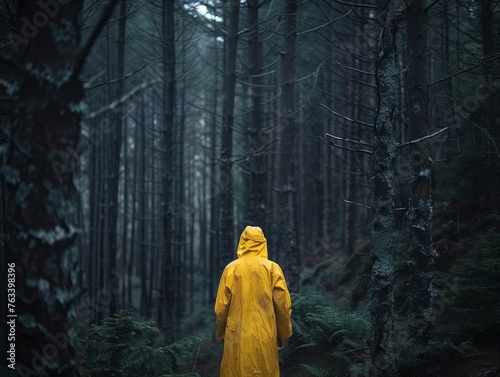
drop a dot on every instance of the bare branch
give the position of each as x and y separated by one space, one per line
360 142
358 204
482 61
120 101
431 5
351 68
89 86
357 5
351 149
325 24
450 158
345 117
423 138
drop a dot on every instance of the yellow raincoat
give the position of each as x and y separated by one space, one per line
253 308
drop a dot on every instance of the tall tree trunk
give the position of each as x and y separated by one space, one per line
382 299
487 27
325 204
273 166
351 189
134 245
421 251
492 112
80 224
93 218
106 166
167 294
214 249
112 283
304 223
226 148
287 136
256 210
202 204
125 223
151 214
101 231
43 139
182 214
141 210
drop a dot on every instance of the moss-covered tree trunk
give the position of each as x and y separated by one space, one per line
382 295
42 155
421 251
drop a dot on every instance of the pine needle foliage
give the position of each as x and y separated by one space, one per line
121 346
329 339
466 312
439 357
469 292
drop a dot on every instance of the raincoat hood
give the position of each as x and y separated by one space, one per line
252 242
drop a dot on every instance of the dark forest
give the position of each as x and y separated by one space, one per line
140 138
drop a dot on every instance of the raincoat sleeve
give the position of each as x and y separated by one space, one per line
282 304
222 303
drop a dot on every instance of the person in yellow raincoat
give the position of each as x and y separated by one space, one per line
252 309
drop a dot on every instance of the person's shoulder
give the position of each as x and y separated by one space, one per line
233 264
274 265
273 262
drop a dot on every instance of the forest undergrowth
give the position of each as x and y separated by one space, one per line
331 328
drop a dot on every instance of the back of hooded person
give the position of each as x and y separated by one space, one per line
252 309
